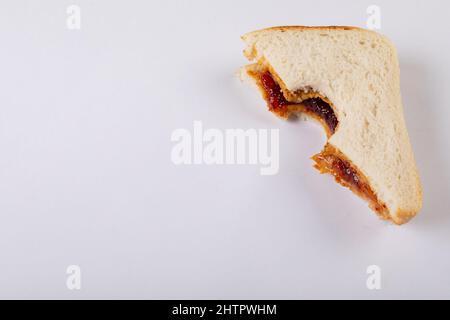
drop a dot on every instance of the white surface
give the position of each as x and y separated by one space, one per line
86 177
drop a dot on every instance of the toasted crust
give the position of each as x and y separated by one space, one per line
391 174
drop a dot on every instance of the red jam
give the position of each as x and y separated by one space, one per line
278 103
323 110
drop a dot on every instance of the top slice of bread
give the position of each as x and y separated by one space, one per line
358 71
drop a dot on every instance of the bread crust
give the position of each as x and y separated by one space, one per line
282 28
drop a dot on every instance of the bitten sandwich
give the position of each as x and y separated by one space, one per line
348 79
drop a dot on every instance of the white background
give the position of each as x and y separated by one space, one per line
86 177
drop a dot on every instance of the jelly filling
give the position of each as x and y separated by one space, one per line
329 160
278 103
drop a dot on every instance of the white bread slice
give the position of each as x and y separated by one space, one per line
357 72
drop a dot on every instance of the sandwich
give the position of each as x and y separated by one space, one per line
348 79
